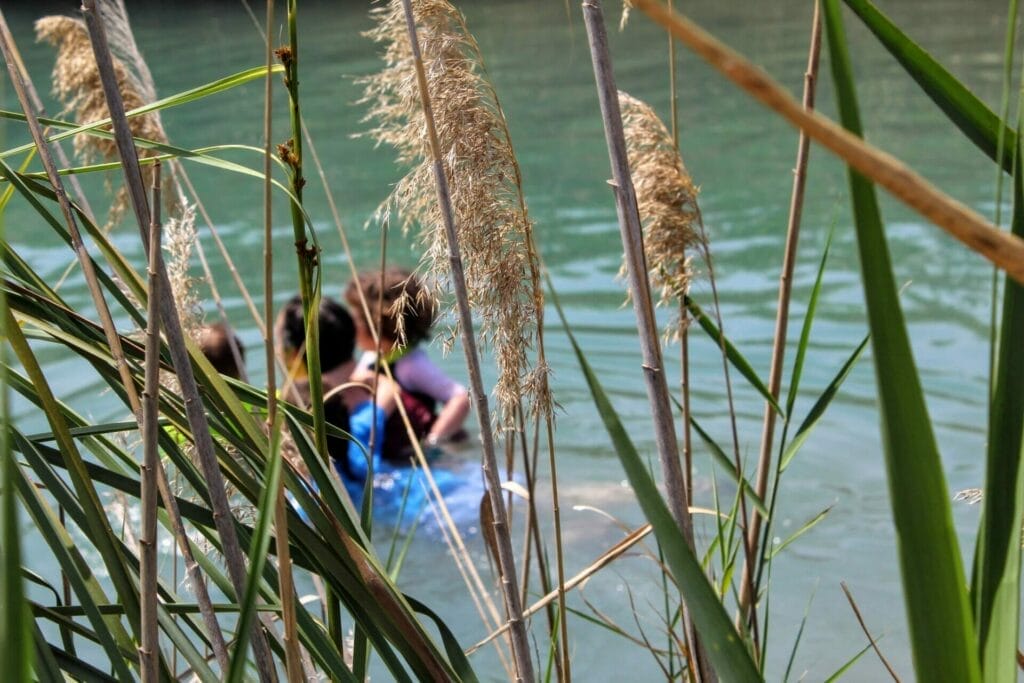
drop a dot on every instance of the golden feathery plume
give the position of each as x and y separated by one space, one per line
76 82
666 198
493 227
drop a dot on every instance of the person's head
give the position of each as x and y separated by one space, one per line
215 343
397 301
337 334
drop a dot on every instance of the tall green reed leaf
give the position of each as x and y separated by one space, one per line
979 123
938 608
726 650
258 548
722 460
820 405
186 97
738 360
115 644
15 644
97 526
996 584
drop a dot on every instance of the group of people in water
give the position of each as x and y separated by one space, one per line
359 397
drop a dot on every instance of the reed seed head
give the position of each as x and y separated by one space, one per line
77 84
666 198
492 224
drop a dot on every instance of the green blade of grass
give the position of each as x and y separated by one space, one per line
963 107
726 650
719 456
260 544
15 644
996 585
185 97
46 663
805 330
938 608
821 405
799 636
804 528
83 583
846 667
735 357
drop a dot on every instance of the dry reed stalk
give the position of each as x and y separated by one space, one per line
176 341
632 237
445 206
1003 249
864 628
148 576
636 267
114 341
667 203
286 584
747 604
606 558
95 290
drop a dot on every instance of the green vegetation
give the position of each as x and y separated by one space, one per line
230 448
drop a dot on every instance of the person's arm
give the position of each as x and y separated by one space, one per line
419 373
449 420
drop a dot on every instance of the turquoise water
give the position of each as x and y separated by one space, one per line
742 158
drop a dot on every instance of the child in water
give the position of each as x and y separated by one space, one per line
406 311
348 402
215 342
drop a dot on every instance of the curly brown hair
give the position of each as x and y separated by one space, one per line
405 312
215 343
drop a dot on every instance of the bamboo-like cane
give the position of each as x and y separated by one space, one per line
748 608
1003 249
308 258
286 584
148 577
700 667
223 518
114 342
506 561
632 241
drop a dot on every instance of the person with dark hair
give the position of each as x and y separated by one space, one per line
215 341
348 403
404 311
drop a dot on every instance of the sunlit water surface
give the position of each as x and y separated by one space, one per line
742 158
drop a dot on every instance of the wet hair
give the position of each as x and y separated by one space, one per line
407 310
337 331
215 343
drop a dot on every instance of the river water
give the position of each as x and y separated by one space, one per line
742 157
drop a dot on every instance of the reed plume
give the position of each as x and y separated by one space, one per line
666 198
76 83
494 229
